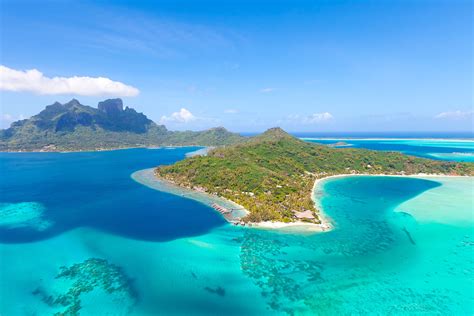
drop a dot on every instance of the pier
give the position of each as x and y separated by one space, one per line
220 209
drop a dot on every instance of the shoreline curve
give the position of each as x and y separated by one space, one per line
147 178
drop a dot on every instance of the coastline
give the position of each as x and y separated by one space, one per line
148 178
327 224
418 175
318 182
295 227
39 151
299 226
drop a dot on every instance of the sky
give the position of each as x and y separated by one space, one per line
306 66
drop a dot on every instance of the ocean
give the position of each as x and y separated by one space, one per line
78 234
446 149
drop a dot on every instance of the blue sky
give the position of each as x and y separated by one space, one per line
246 65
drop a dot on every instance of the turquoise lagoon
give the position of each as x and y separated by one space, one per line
400 245
439 149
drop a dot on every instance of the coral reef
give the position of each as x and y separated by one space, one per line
23 215
85 277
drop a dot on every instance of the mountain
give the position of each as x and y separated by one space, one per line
73 126
272 174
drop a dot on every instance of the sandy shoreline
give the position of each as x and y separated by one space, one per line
293 227
148 178
326 222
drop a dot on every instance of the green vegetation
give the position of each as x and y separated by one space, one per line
272 174
74 127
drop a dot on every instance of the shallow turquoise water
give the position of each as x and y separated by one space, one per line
400 246
439 149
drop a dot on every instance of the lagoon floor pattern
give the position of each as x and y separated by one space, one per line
400 245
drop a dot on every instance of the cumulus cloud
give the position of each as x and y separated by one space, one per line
231 111
35 81
182 116
455 115
267 90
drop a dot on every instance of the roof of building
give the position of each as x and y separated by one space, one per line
305 214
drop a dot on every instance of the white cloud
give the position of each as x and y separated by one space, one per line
34 81
231 111
267 90
307 119
455 115
183 116
11 118
6 119
318 117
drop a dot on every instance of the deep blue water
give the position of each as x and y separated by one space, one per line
95 190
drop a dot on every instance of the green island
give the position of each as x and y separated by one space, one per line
73 126
272 174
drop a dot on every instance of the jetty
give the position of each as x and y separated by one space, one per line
220 209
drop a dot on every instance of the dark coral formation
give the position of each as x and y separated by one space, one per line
323 274
86 276
280 276
218 290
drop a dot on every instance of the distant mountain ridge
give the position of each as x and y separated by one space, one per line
73 126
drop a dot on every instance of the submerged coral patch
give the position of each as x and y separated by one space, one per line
23 215
81 281
218 290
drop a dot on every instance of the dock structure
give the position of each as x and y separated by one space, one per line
220 209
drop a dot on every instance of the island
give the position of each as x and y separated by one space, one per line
73 126
272 175
340 144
